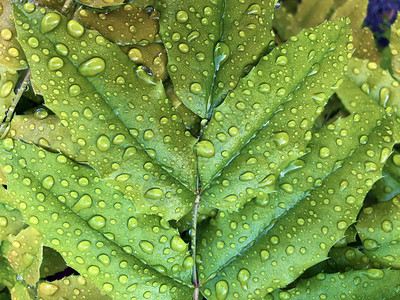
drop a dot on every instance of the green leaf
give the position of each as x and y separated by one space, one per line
273 104
365 284
389 185
128 143
364 42
80 231
11 55
25 254
152 56
348 258
128 25
101 3
246 35
68 288
11 221
46 131
190 30
395 46
326 203
378 227
374 82
149 238
8 80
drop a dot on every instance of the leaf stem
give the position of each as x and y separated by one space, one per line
193 238
66 5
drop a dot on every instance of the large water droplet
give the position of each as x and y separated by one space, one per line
103 143
55 63
281 139
49 22
92 67
221 53
205 149
154 193
146 247
221 289
75 29
177 244
243 277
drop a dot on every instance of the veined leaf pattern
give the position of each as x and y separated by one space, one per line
210 163
127 153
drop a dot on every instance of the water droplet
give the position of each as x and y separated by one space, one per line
103 143
61 49
195 88
288 188
48 182
221 53
319 98
83 246
55 63
75 29
181 16
184 48
177 244
247 176
243 277
384 95
205 149
33 42
154 193
74 90
372 66
281 60
231 198
374 274
264 88
148 135
264 255
254 9
312 37
50 22
324 152
370 166
387 226
233 131
146 247
87 113
84 202
221 289
6 89
281 139
28 7
97 222
92 67
384 155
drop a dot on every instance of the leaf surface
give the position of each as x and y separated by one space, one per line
269 111
80 241
246 35
365 284
68 288
147 237
378 227
134 140
25 254
190 30
395 46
